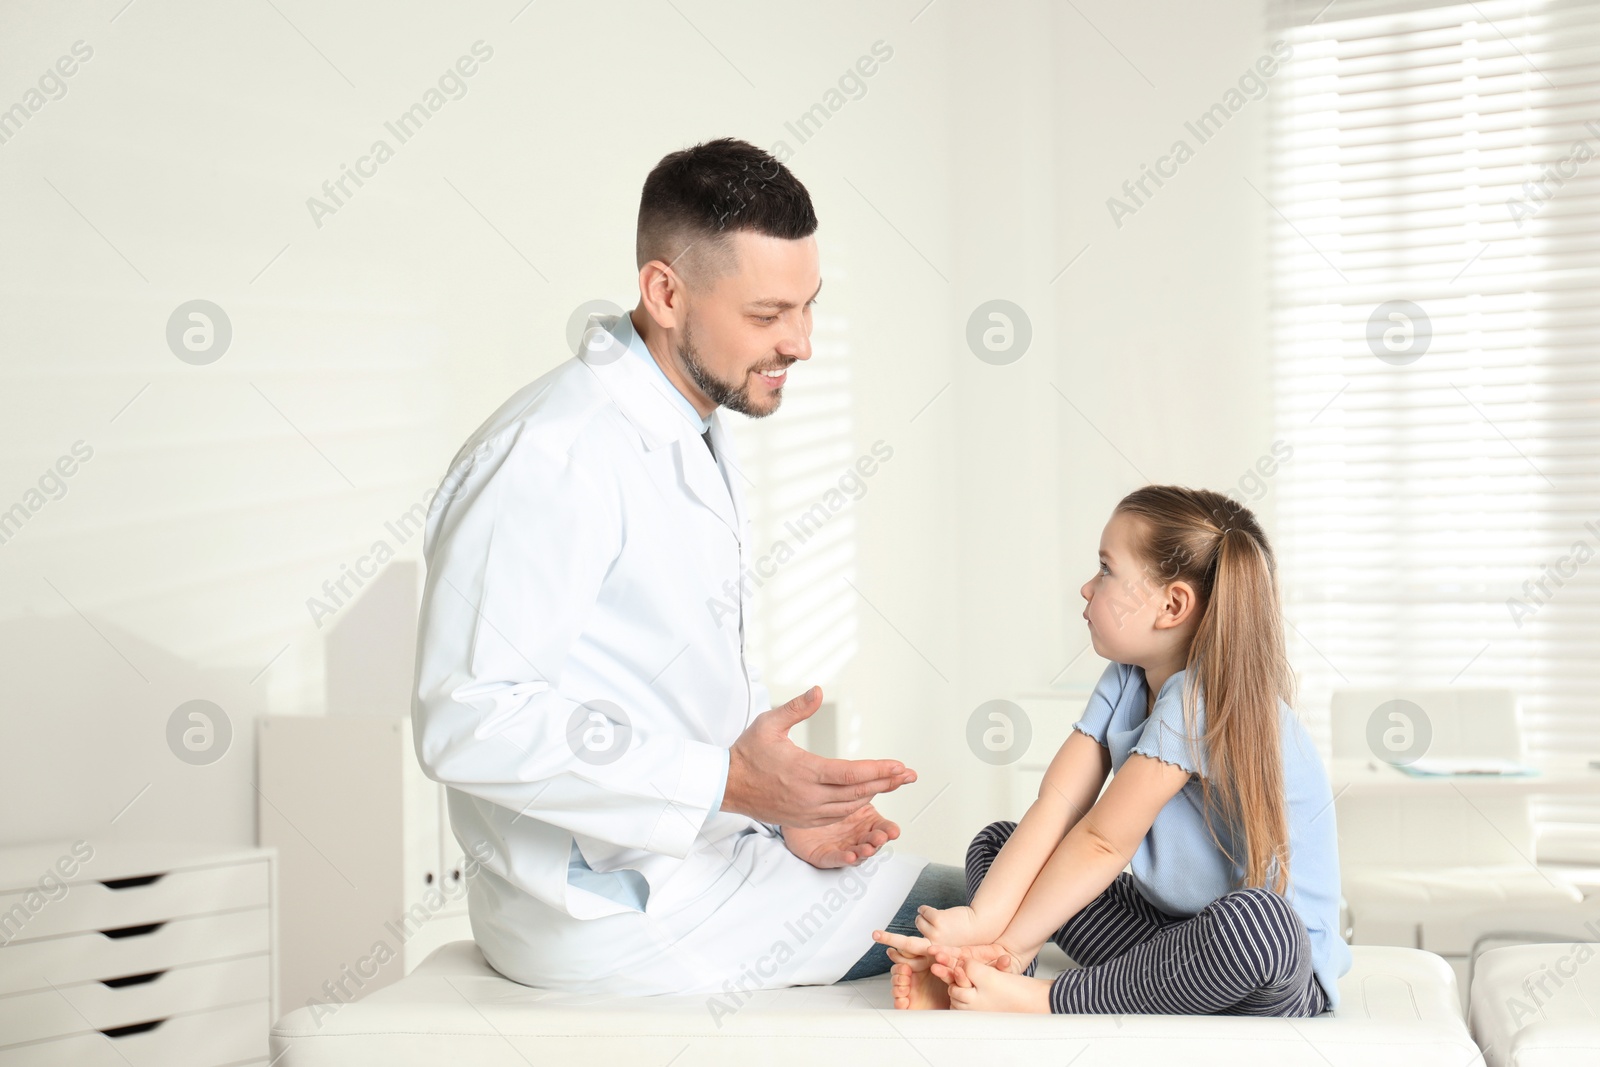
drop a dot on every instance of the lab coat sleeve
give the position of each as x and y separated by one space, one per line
516 561
722 788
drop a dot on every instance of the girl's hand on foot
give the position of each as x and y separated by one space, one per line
951 926
983 988
993 955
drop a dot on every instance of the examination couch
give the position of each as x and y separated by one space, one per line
1399 1006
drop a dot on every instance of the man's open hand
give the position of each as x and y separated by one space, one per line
772 779
840 844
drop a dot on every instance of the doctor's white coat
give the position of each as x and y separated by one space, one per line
581 674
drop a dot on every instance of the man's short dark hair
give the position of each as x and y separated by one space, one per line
697 197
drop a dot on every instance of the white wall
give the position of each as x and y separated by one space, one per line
219 498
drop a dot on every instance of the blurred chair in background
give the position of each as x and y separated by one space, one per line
1425 865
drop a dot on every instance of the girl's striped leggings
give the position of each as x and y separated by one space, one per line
1245 953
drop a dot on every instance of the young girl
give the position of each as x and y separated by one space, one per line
1217 788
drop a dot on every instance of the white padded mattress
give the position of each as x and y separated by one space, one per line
1398 1006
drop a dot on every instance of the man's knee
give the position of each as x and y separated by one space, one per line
941 886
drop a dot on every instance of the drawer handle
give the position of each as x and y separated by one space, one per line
133 1028
133 883
132 979
134 931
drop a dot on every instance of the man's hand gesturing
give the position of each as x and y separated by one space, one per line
772 779
843 843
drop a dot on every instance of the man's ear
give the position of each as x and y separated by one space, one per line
1180 606
661 291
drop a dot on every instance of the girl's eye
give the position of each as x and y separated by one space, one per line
1104 569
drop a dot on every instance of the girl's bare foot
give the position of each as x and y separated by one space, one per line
915 986
911 978
975 986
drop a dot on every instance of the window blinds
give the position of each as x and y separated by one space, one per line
1435 194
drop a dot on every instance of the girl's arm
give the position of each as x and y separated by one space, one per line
1071 783
1093 853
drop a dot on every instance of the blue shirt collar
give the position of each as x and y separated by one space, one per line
640 351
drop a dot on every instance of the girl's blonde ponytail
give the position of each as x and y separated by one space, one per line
1237 662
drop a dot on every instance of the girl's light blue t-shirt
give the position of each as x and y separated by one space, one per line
1178 868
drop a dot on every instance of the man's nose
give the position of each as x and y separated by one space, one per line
796 345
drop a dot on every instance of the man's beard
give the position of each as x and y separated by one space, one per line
719 392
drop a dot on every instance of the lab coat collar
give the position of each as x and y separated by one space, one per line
610 347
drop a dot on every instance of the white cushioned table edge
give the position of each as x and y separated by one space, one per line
1399 1006
1553 1020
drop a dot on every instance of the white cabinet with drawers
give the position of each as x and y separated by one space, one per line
130 954
371 877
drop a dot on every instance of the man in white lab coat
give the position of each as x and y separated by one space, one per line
644 823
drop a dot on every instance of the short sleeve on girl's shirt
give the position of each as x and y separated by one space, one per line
1165 737
1102 702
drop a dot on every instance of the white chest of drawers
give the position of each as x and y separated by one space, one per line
136 955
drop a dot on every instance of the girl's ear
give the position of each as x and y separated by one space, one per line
1180 606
